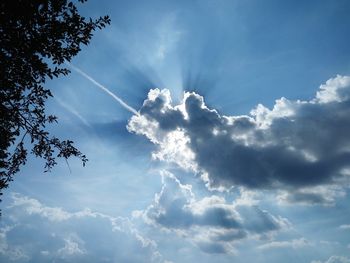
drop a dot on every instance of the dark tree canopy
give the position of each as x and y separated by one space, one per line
36 38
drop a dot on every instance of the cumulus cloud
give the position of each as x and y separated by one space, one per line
296 146
34 232
211 223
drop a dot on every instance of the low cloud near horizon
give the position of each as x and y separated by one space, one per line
35 232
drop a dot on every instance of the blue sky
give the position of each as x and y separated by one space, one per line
239 151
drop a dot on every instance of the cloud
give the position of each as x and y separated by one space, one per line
13 253
167 37
295 244
344 227
296 146
325 195
72 246
334 259
34 232
33 206
210 223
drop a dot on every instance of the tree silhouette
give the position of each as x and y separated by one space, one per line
37 37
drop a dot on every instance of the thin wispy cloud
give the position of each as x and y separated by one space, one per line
295 244
168 37
73 111
334 259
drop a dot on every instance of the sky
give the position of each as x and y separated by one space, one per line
216 131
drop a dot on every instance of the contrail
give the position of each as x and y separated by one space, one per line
72 111
110 93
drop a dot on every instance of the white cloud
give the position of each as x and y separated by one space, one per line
73 245
335 90
33 206
172 142
247 198
295 244
39 233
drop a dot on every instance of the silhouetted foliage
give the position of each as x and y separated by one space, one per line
36 38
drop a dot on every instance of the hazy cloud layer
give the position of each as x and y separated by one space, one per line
33 232
334 259
295 146
213 224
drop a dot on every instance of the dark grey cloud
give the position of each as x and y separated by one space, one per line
212 248
312 198
295 145
321 195
213 224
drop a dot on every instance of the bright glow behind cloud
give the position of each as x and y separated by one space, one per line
295 146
